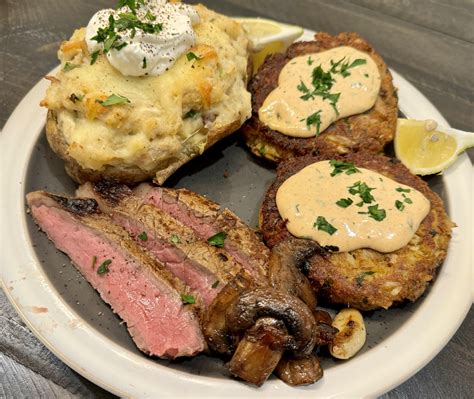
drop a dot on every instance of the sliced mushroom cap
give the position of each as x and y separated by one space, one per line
304 371
325 332
285 264
214 325
268 302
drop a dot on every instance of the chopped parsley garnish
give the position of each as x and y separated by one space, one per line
363 190
175 239
74 97
110 37
143 236
403 190
215 284
186 298
314 119
399 205
69 67
132 4
150 16
345 66
344 202
262 150
104 266
361 277
191 56
323 225
310 61
190 114
114 99
340 167
217 240
375 213
144 63
407 201
94 56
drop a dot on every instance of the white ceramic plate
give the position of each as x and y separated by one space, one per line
127 373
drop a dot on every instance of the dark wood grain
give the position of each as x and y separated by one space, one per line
429 42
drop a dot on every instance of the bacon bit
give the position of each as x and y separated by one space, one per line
52 79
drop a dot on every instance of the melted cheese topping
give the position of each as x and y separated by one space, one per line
155 127
321 207
295 108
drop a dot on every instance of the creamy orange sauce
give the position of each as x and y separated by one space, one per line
286 112
313 193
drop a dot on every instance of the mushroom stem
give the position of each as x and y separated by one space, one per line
259 351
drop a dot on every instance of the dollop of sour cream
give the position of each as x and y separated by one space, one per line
147 53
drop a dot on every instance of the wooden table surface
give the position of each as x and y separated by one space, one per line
430 42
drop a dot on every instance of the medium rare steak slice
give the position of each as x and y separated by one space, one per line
204 268
138 288
207 218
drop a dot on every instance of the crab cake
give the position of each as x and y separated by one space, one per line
369 131
364 278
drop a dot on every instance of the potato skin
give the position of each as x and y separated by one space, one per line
121 173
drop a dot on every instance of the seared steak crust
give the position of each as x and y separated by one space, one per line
137 287
369 131
364 278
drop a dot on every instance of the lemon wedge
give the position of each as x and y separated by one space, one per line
426 148
267 37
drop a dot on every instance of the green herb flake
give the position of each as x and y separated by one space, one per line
175 239
361 277
399 205
344 202
339 167
143 236
190 114
69 67
376 213
314 119
94 56
104 266
363 190
310 61
144 63
186 298
403 190
191 56
343 67
215 284
408 201
323 225
217 240
150 16
114 99
262 150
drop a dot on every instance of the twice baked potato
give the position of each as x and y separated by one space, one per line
167 119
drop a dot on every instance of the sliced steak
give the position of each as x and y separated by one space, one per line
204 268
206 218
137 287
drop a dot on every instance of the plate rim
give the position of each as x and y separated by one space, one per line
27 287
